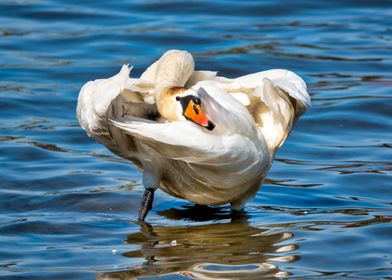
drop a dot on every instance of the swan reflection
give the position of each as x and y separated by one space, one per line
213 251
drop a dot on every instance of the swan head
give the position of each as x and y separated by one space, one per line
175 102
192 111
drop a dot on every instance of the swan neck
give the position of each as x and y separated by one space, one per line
173 71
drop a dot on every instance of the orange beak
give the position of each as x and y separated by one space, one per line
191 106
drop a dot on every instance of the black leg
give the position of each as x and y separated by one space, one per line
239 216
146 205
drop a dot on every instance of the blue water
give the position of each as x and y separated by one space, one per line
68 207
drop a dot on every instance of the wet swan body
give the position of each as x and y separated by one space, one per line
195 135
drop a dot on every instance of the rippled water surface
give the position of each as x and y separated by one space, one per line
68 207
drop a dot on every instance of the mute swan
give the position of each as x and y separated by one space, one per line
196 135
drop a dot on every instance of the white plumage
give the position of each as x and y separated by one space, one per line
140 119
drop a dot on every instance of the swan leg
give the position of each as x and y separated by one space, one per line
239 203
238 206
146 205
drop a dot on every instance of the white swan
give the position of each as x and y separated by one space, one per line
196 135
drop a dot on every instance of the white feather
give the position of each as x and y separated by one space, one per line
253 115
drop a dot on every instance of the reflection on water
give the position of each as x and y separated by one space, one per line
209 251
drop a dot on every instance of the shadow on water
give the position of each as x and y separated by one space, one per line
226 250
201 213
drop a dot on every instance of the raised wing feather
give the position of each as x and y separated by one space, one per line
114 97
274 98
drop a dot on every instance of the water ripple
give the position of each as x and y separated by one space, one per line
69 206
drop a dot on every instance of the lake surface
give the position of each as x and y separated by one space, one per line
68 207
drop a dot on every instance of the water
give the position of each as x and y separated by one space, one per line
68 206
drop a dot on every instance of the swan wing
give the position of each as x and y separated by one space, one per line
188 142
274 98
114 97
286 80
179 140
